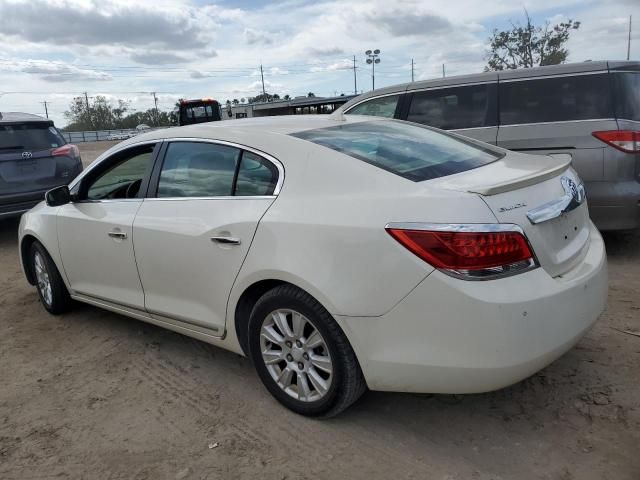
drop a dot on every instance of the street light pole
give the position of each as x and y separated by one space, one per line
372 59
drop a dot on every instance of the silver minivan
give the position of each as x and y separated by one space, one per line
589 110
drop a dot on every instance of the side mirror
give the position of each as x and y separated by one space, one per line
58 196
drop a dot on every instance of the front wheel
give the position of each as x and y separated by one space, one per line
51 288
301 354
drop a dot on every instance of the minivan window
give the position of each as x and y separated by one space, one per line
197 169
29 136
573 97
410 151
454 108
627 95
377 107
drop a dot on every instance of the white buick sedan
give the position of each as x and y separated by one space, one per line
338 253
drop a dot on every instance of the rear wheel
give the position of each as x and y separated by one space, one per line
301 354
51 289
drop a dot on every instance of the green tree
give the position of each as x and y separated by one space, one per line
529 45
287 97
311 94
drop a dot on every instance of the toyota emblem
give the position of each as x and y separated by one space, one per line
26 155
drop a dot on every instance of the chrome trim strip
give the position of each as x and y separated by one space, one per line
504 125
230 197
456 227
574 196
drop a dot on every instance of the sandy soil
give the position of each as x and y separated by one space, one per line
92 394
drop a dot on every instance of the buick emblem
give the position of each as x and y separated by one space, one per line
26 155
576 192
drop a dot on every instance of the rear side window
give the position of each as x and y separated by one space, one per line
410 151
192 169
256 176
555 99
455 108
377 107
29 136
627 95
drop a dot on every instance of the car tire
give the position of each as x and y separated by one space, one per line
301 354
52 291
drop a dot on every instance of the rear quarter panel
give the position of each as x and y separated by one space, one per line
325 232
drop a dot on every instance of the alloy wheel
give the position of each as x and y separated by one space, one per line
296 355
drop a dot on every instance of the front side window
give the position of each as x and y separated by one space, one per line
193 169
410 151
454 108
577 97
123 179
377 107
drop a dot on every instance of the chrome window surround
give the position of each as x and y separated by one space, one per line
260 153
492 273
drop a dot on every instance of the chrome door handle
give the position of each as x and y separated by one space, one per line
226 240
121 235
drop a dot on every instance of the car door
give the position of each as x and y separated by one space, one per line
469 110
195 228
95 230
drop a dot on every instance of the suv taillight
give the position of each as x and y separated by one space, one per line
68 150
627 141
470 252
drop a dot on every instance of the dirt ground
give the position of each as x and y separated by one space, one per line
92 394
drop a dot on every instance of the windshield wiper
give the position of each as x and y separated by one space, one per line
13 147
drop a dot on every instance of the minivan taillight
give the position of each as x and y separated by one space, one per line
68 150
627 141
470 252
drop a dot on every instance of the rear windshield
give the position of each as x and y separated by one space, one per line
199 112
627 95
411 151
29 136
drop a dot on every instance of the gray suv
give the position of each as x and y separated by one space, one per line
589 110
34 158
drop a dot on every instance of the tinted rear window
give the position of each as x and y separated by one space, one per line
627 95
453 108
29 136
555 99
411 151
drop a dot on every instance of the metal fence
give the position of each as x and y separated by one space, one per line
98 135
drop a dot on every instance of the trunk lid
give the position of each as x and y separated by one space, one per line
517 184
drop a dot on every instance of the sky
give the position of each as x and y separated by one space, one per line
53 50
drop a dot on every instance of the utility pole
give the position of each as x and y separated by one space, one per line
372 59
46 110
264 94
155 101
89 119
629 40
355 85
443 75
412 70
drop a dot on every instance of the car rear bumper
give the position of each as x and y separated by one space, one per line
17 204
614 205
455 336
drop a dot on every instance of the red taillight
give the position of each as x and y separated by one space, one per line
627 141
67 150
468 254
